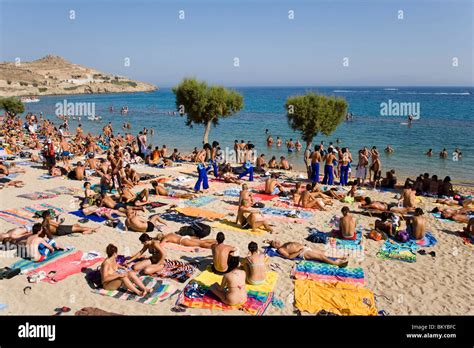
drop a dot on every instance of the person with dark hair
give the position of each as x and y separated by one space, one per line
214 147
39 248
137 223
152 264
113 275
246 194
446 188
255 265
225 257
416 225
251 218
347 225
52 227
310 199
160 190
384 225
272 186
232 289
202 169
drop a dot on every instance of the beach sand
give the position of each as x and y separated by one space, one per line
440 285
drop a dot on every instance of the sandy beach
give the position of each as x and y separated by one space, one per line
439 285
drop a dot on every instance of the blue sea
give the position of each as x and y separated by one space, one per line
446 121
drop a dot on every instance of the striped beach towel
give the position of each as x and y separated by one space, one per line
162 290
34 196
324 272
25 264
200 201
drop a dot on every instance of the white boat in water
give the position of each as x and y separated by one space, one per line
29 100
94 118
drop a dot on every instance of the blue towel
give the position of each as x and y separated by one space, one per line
3 306
285 212
29 264
272 252
177 217
91 217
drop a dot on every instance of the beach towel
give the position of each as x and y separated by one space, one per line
66 266
347 244
12 217
338 298
438 216
232 192
98 188
199 213
177 217
91 217
25 264
162 290
47 177
199 201
43 206
232 226
177 247
286 212
177 270
288 205
324 272
391 250
24 163
34 196
428 240
197 294
263 197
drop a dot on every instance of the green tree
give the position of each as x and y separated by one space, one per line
311 114
12 105
203 104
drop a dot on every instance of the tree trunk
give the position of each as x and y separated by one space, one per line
308 165
205 138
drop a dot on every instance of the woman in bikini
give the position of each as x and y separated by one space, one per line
190 241
152 264
251 218
114 276
232 290
255 265
293 250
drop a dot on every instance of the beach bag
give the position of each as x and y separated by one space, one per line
375 235
94 279
196 229
402 236
258 205
318 237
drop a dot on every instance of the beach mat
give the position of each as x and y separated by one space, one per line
232 192
287 205
65 266
232 226
199 201
263 197
177 270
346 244
177 217
319 271
91 217
392 250
338 298
162 290
63 190
272 252
12 217
197 294
286 212
25 264
200 213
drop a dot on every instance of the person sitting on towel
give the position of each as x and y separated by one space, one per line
255 265
152 264
272 186
416 225
347 225
224 256
232 290
293 250
248 217
39 248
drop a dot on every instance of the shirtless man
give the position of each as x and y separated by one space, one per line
78 173
375 205
114 275
65 151
137 223
93 163
223 256
296 193
328 168
315 160
245 194
376 164
284 164
38 247
347 225
361 170
232 290
459 215
272 186
293 250
152 264
189 241
409 201
416 225
160 190
128 197
131 175
251 218
261 163
51 227
308 200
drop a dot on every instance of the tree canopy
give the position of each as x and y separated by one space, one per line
203 104
12 105
311 114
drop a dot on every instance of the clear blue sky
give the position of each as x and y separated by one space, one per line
272 49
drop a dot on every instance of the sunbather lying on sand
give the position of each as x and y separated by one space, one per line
459 215
15 235
293 250
128 197
137 223
113 275
309 199
52 227
161 191
248 217
190 241
152 264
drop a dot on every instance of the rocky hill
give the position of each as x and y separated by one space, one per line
55 75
